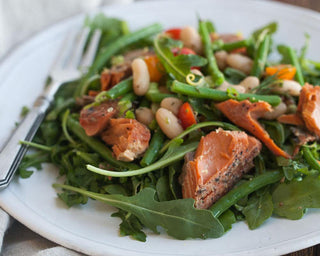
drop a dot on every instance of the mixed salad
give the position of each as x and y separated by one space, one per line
188 128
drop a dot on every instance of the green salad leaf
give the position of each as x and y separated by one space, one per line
178 217
259 208
291 200
178 66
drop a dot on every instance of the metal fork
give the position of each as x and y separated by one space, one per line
68 66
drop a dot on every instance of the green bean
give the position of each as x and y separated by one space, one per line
116 91
295 62
216 95
158 97
261 56
96 145
196 127
244 189
125 104
153 150
235 45
311 160
216 75
123 41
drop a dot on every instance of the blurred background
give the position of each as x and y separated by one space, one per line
20 19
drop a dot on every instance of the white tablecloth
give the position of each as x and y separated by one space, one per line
20 19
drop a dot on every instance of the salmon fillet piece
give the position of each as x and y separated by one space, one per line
219 162
95 119
117 73
308 111
128 137
246 114
113 76
309 107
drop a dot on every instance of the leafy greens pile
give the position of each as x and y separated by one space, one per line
147 193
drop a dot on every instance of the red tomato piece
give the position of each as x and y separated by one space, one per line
186 115
185 51
174 33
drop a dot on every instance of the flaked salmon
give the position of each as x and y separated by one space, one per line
246 114
308 111
292 119
95 119
219 162
128 137
117 73
309 107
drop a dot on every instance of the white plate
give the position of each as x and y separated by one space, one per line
89 228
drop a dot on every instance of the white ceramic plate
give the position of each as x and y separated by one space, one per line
89 228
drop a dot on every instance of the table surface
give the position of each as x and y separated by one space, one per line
314 5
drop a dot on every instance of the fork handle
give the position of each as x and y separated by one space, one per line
13 152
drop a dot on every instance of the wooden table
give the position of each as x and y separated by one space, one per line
314 5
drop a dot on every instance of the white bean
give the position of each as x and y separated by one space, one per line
168 123
288 86
240 62
196 72
221 58
141 77
144 115
191 39
276 112
250 83
172 104
225 85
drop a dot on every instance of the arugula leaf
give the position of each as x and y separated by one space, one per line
290 200
259 208
227 219
270 28
275 130
130 226
24 111
283 51
111 28
173 180
200 107
71 198
115 189
50 131
178 66
163 189
234 76
32 160
178 217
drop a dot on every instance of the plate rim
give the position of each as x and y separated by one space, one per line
8 195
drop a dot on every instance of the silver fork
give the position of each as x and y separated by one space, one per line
68 66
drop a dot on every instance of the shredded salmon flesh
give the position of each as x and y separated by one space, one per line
95 119
309 107
308 111
220 160
128 137
292 119
246 114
